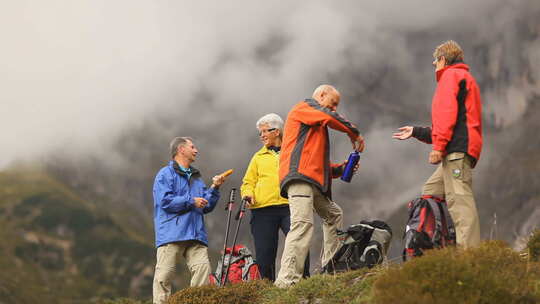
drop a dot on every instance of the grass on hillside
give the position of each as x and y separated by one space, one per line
533 246
62 248
491 273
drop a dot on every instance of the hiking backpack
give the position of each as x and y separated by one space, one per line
362 245
242 267
429 226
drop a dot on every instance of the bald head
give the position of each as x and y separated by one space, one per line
327 96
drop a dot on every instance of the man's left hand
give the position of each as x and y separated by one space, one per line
435 157
344 164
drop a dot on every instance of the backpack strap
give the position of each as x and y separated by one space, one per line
218 273
415 207
451 228
447 218
415 222
245 269
435 239
228 256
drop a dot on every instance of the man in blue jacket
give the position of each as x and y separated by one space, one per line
180 201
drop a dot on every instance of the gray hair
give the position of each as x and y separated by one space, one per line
451 51
272 119
176 142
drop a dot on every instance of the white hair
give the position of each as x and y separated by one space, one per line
324 88
272 119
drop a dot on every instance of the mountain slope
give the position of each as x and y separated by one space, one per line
59 248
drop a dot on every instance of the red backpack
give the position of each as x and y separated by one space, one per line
242 267
429 226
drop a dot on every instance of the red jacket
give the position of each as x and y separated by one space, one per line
456 113
305 150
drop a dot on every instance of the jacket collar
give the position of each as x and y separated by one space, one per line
459 65
174 165
264 150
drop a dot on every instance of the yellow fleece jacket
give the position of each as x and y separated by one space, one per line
261 180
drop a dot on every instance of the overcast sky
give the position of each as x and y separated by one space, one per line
74 74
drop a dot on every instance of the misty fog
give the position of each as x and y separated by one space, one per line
98 88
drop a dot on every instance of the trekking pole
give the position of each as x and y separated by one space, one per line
238 217
229 207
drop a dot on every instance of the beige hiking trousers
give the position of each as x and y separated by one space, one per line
168 255
452 180
303 199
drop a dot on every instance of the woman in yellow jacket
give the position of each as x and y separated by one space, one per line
269 210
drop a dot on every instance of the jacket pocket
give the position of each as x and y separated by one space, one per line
455 156
460 173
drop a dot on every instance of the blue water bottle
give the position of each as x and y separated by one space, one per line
354 157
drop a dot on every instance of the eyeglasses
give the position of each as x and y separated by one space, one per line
266 131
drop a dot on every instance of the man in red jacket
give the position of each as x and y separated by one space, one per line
305 175
456 138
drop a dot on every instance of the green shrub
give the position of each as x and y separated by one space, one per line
491 273
30 204
58 212
246 292
49 256
349 287
123 301
534 245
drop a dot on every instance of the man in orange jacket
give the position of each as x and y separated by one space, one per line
305 174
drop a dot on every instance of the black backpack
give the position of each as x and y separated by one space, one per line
363 245
429 226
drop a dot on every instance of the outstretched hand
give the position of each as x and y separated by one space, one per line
404 133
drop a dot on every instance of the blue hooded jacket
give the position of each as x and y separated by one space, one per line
175 216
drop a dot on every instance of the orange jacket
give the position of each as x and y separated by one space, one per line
305 150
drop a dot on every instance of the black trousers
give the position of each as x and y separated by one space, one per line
265 225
